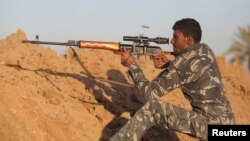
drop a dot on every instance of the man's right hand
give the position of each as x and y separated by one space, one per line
162 58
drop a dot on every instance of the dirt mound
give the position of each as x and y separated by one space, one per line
45 96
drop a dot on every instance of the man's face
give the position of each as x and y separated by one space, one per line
180 42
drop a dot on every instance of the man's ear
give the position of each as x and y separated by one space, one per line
190 39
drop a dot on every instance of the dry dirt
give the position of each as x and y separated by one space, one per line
49 97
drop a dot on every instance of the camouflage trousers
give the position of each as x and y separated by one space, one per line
169 116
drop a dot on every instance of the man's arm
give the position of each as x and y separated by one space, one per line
167 81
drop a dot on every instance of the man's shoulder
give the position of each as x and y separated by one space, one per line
199 51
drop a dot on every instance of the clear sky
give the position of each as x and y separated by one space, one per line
110 20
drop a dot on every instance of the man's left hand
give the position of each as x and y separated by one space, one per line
126 58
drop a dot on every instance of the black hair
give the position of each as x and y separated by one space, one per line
188 27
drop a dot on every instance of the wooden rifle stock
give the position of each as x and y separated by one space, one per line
112 46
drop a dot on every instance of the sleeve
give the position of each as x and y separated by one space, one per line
199 69
196 70
168 80
179 73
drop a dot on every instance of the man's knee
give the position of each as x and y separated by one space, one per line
157 108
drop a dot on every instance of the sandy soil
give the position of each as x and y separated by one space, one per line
48 97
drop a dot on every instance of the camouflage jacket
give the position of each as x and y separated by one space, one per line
196 73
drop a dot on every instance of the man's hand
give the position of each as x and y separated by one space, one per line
126 58
162 58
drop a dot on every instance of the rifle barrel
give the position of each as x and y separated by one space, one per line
69 43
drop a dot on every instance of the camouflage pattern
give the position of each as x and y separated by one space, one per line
196 73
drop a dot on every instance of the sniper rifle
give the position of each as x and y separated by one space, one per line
140 44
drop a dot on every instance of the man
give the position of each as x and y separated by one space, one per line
195 71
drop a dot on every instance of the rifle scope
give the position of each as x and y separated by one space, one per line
143 39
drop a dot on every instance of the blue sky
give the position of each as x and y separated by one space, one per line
110 20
